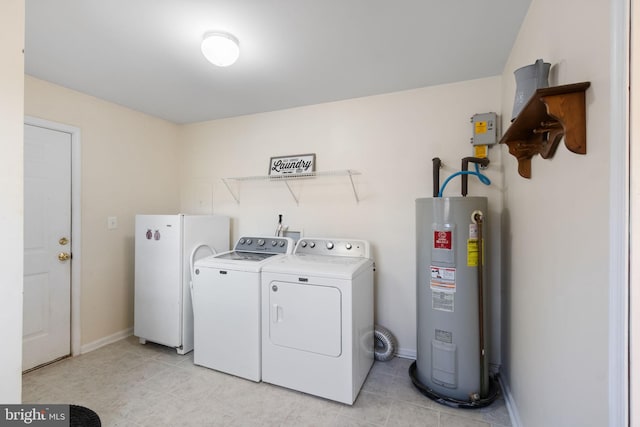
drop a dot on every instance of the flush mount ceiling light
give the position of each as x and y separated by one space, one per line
220 49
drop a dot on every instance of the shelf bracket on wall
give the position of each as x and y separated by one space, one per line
353 187
551 114
226 183
292 193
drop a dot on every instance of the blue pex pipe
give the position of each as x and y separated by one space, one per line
483 178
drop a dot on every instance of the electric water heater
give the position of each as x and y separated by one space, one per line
452 360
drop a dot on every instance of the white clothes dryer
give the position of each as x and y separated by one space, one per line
226 305
317 318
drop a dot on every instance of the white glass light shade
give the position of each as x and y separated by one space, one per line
220 49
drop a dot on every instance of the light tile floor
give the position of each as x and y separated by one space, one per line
129 384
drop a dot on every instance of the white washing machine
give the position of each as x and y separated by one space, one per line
317 318
226 305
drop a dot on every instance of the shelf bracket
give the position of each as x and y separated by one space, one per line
353 187
292 193
235 197
569 110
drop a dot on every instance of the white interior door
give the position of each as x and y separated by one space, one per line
47 242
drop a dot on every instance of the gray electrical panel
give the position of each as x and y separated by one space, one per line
485 129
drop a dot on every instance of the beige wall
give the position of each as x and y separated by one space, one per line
11 217
128 167
390 139
555 230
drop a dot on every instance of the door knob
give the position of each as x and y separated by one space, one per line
63 241
64 256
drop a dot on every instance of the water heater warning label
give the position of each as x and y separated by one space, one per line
442 301
473 252
444 336
442 239
443 279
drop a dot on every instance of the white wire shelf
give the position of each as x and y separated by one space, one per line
286 178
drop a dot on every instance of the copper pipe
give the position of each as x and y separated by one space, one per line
437 164
484 162
484 387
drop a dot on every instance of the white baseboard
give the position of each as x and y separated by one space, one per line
510 402
86 348
407 353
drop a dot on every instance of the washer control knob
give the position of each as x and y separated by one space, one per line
312 245
282 243
241 241
348 246
260 242
303 243
273 243
329 245
249 241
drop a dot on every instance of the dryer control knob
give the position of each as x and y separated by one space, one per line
348 246
303 243
282 244
260 242
249 241
329 245
312 245
273 243
241 241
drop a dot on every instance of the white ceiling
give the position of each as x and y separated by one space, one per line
145 54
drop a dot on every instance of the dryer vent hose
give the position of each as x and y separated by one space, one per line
385 344
192 261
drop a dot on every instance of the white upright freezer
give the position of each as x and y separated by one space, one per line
164 248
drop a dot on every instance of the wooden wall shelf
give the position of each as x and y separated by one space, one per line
550 114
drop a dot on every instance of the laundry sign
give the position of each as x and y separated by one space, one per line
298 164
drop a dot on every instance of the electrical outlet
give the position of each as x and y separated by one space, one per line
112 222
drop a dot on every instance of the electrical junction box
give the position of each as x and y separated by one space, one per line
485 129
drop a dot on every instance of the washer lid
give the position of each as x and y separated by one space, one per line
237 260
244 256
319 266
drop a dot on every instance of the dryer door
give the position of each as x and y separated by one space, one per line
306 317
